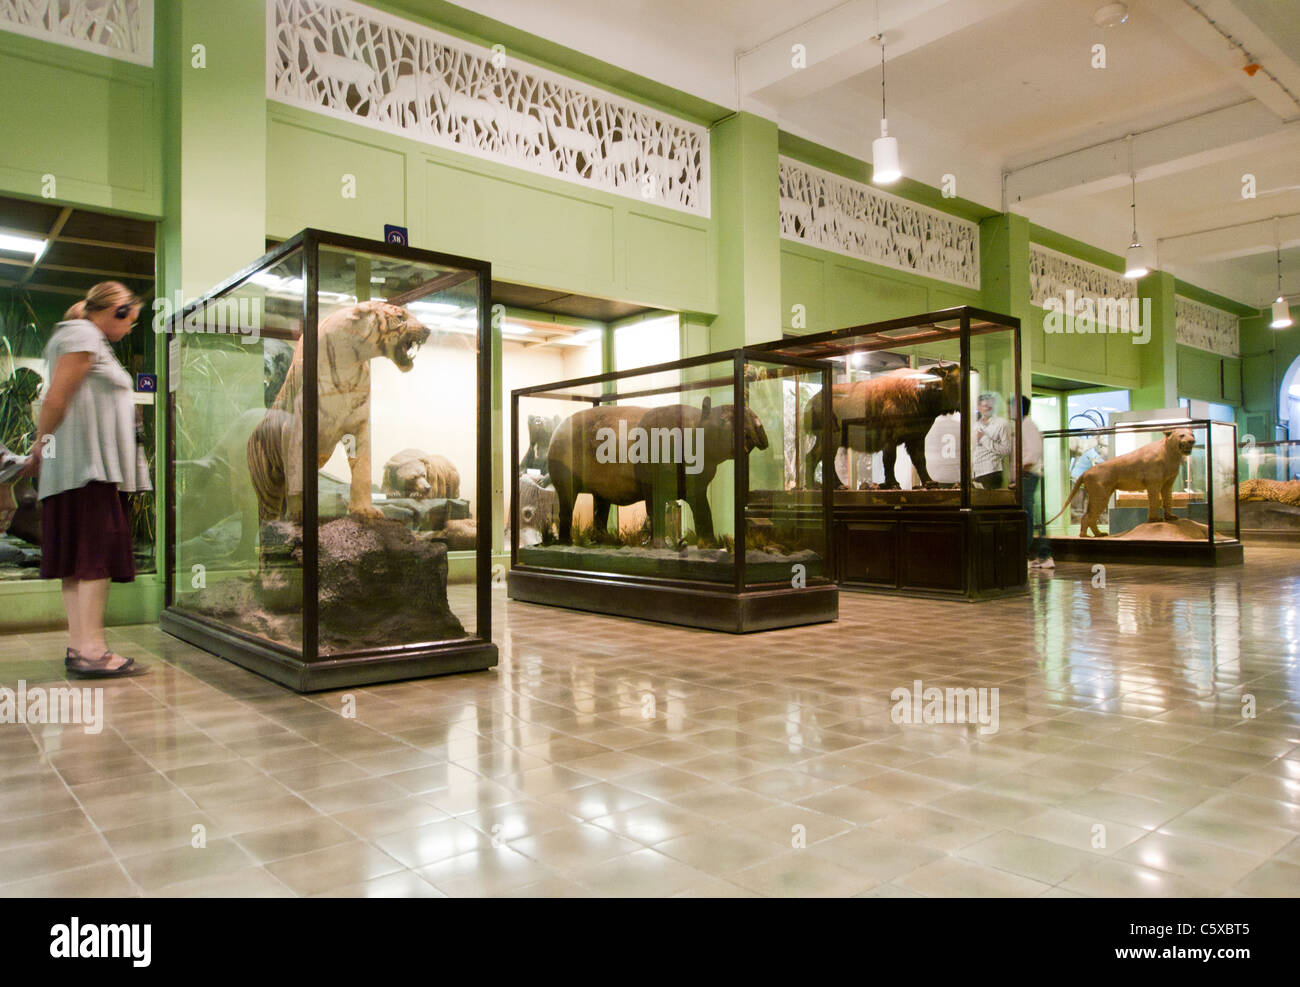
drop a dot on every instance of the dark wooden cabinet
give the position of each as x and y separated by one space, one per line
955 553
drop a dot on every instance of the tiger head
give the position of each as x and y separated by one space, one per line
392 331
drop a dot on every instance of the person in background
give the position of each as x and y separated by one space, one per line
1037 548
85 454
994 440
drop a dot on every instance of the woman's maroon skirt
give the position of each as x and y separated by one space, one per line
86 534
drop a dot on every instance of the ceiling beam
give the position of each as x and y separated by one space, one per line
56 289
1207 25
55 228
109 244
1230 242
837 45
1205 139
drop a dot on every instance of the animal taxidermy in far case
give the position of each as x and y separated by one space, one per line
417 474
1153 468
886 411
347 341
578 465
540 430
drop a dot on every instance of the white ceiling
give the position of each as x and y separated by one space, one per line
983 89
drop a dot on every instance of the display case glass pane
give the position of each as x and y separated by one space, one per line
230 358
1268 487
1222 464
995 418
1114 482
785 519
899 423
397 408
640 475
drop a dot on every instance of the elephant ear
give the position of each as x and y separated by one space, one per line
704 408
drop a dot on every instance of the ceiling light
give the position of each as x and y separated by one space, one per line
1281 314
1110 15
21 244
1136 263
885 169
1281 310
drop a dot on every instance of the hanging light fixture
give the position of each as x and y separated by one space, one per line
1281 310
1136 262
885 169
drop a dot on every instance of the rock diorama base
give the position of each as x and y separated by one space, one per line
381 609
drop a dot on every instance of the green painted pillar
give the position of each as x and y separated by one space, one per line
213 56
211 60
1004 279
1158 359
694 336
743 156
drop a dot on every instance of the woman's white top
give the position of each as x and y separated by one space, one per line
96 439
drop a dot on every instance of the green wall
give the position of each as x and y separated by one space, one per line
91 122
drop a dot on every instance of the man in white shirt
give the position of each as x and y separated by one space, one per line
1037 548
994 441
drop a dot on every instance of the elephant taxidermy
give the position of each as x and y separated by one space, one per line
579 460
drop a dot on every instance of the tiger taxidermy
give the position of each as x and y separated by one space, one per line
347 341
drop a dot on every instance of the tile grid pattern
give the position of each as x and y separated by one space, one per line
610 757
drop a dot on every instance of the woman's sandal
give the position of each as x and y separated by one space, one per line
98 668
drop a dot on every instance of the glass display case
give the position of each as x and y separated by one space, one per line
1268 490
1157 491
926 434
329 487
675 493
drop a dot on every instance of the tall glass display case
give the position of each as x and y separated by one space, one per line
1159 492
673 493
925 437
1268 490
328 465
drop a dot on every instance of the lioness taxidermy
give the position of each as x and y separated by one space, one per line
1153 468
347 341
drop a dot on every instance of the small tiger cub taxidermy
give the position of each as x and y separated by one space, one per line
347 341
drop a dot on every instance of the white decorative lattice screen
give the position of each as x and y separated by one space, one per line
824 210
1052 274
117 28
1206 327
358 64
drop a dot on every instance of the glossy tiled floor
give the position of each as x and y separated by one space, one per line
607 757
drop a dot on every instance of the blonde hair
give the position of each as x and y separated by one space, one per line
77 311
106 295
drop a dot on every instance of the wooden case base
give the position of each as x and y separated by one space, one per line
691 605
369 668
1123 551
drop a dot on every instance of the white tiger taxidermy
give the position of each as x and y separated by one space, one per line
347 341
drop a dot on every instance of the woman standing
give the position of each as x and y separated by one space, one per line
85 452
